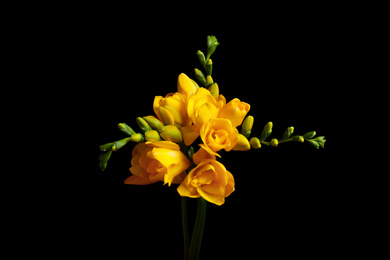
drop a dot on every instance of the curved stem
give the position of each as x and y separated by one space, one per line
197 235
184 219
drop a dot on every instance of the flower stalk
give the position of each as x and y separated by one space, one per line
197 235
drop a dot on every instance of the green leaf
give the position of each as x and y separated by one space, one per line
103 159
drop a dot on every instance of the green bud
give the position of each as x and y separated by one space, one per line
152 136
153 122
126 129
209 67
214 90
314 143
242 144
106 147
247 126
200 77
255 143
266 131
212 44
309 135
201 58
119 144
289 131
320 140
137 138
103 159
274 142
299 139
143 125
171 133
209 81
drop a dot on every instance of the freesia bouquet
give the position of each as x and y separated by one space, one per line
180 144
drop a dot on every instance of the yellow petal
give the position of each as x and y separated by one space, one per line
185 85
189 133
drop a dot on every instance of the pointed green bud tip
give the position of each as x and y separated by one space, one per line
103 159
126 129
212 44
106 147
143 125
299 139
137 138
209 81
214 90
247 126
309 135
171 133
201 58
154 122
200 77
209 67
255 143
274 142
152 136
242 144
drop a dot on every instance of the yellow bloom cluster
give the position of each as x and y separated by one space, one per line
180 119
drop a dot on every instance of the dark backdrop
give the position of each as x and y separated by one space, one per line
287 199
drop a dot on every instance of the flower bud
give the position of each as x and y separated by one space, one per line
200 77
152 136
209 67
212 44
137 138
299 139
201 58
214 90
103 159
171 133
178 118
247 126
274 142
309 135
255 143
119 144
289 131
242 144
166 116
126 129
143 125
266 131
209 81
153 122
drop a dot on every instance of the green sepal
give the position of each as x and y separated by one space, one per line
119 144
309 135
103 159
106 147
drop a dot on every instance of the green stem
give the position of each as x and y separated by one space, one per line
184 219
197 235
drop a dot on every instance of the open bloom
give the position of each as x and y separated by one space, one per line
218 134
157 161
209 179
235 111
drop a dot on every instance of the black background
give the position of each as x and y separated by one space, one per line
288 65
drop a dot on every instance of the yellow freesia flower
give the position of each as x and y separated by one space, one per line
218 134
209 179
235 111
157 161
